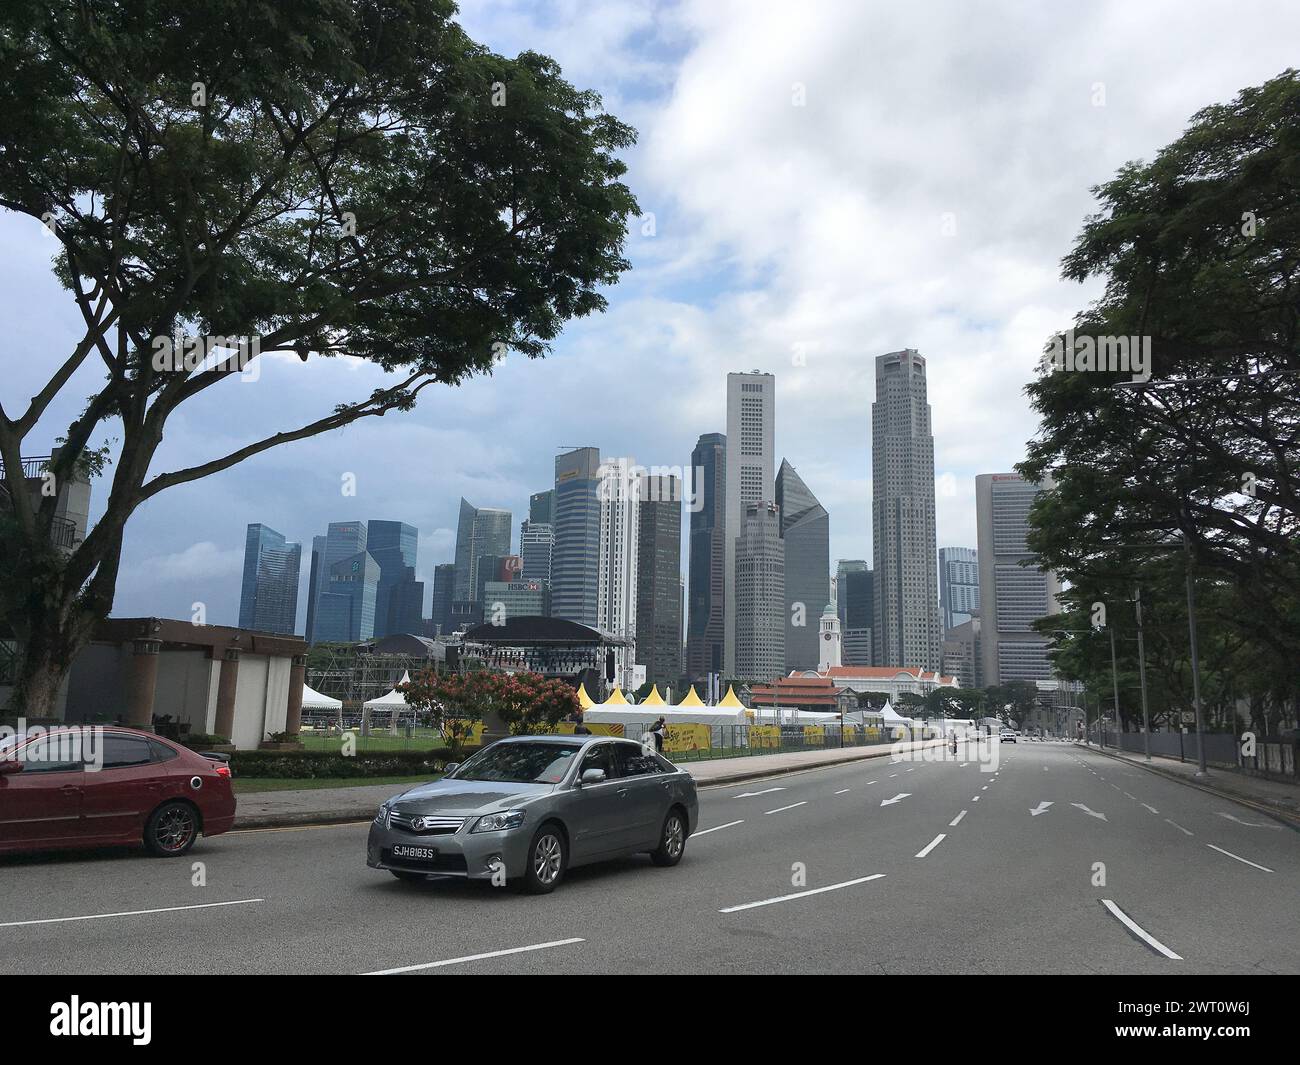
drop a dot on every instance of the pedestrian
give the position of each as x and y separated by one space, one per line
659 730
579 729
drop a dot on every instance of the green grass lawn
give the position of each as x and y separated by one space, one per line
424 739
245 784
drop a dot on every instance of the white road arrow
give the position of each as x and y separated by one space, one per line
1251 824
752 794
897 798
1090 813
1041 808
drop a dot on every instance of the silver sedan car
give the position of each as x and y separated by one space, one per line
527 808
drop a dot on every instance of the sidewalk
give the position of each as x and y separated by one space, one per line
333 806
1274 797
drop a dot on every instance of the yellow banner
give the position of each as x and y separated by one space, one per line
850 733
689 737
814 735
598 728
474 733
765 736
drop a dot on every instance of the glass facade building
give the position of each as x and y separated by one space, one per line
706 582
806 530
268 600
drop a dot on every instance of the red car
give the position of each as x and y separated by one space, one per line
101 786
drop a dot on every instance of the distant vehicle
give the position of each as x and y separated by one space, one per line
1008 736
137 788
528 808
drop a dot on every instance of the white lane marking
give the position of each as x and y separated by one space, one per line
931 845
985 788
892 775
131 913
975 798
953 822
474 957
897 798
1150 807
717 828
1178 826
802 894
779 809
755 794
870 781
963 765
1041 808
1090 813
1238 857
1128 796
910 769
1138 931
1251 824
842 791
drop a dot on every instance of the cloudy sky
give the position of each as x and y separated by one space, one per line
828 181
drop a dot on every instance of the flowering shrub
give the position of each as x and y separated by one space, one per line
527 703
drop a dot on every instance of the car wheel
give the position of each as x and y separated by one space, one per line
171 830
547 857
672 840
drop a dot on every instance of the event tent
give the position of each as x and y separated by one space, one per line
393 700
673 715
314 700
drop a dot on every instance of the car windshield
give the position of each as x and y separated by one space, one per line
520 763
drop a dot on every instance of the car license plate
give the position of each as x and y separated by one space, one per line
410 853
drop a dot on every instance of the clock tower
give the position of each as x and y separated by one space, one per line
829 639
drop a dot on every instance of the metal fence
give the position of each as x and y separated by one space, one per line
1272 756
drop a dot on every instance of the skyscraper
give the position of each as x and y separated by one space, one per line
760 595
536 542
618 493
806 530
342 539
855 604
345 611
751 440
479 531
574 580
444 590
541 507
906 629
1013 595
399 598
659 579
959 585
268 599
706 587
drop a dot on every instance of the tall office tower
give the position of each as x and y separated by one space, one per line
541 507
1012 595
855 602
503 600
574 565
345 612
444 591
760 595
706 584
751 436
268 600
962 656
536 541
480 531
342 539
959 585
394 546
906 628
496 568
659 580
806 530
618 493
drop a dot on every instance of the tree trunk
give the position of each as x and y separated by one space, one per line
49 641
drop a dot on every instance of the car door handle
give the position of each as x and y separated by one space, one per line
69 789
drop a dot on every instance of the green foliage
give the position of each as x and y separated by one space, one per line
304 765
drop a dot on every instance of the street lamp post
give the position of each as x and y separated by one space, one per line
1196 661
1142 675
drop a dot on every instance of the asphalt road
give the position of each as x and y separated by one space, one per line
875 888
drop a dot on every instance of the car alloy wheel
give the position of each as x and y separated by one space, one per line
172 829
674 837
548 856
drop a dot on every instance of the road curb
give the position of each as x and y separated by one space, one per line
303 820
1287 816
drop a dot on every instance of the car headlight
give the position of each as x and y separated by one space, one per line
382 815
499 822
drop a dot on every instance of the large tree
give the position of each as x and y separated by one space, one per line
1200 253
331 177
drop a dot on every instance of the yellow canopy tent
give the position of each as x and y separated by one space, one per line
615 699
730 699
654 698
692 699
584 700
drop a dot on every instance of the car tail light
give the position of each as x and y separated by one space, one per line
222 769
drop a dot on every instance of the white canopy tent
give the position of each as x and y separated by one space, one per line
393 700
672 715
314 700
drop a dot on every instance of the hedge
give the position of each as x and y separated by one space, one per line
310 765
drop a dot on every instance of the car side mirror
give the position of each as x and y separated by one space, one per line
450 768
592 776
10 765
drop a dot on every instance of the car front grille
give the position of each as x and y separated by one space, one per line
433 825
